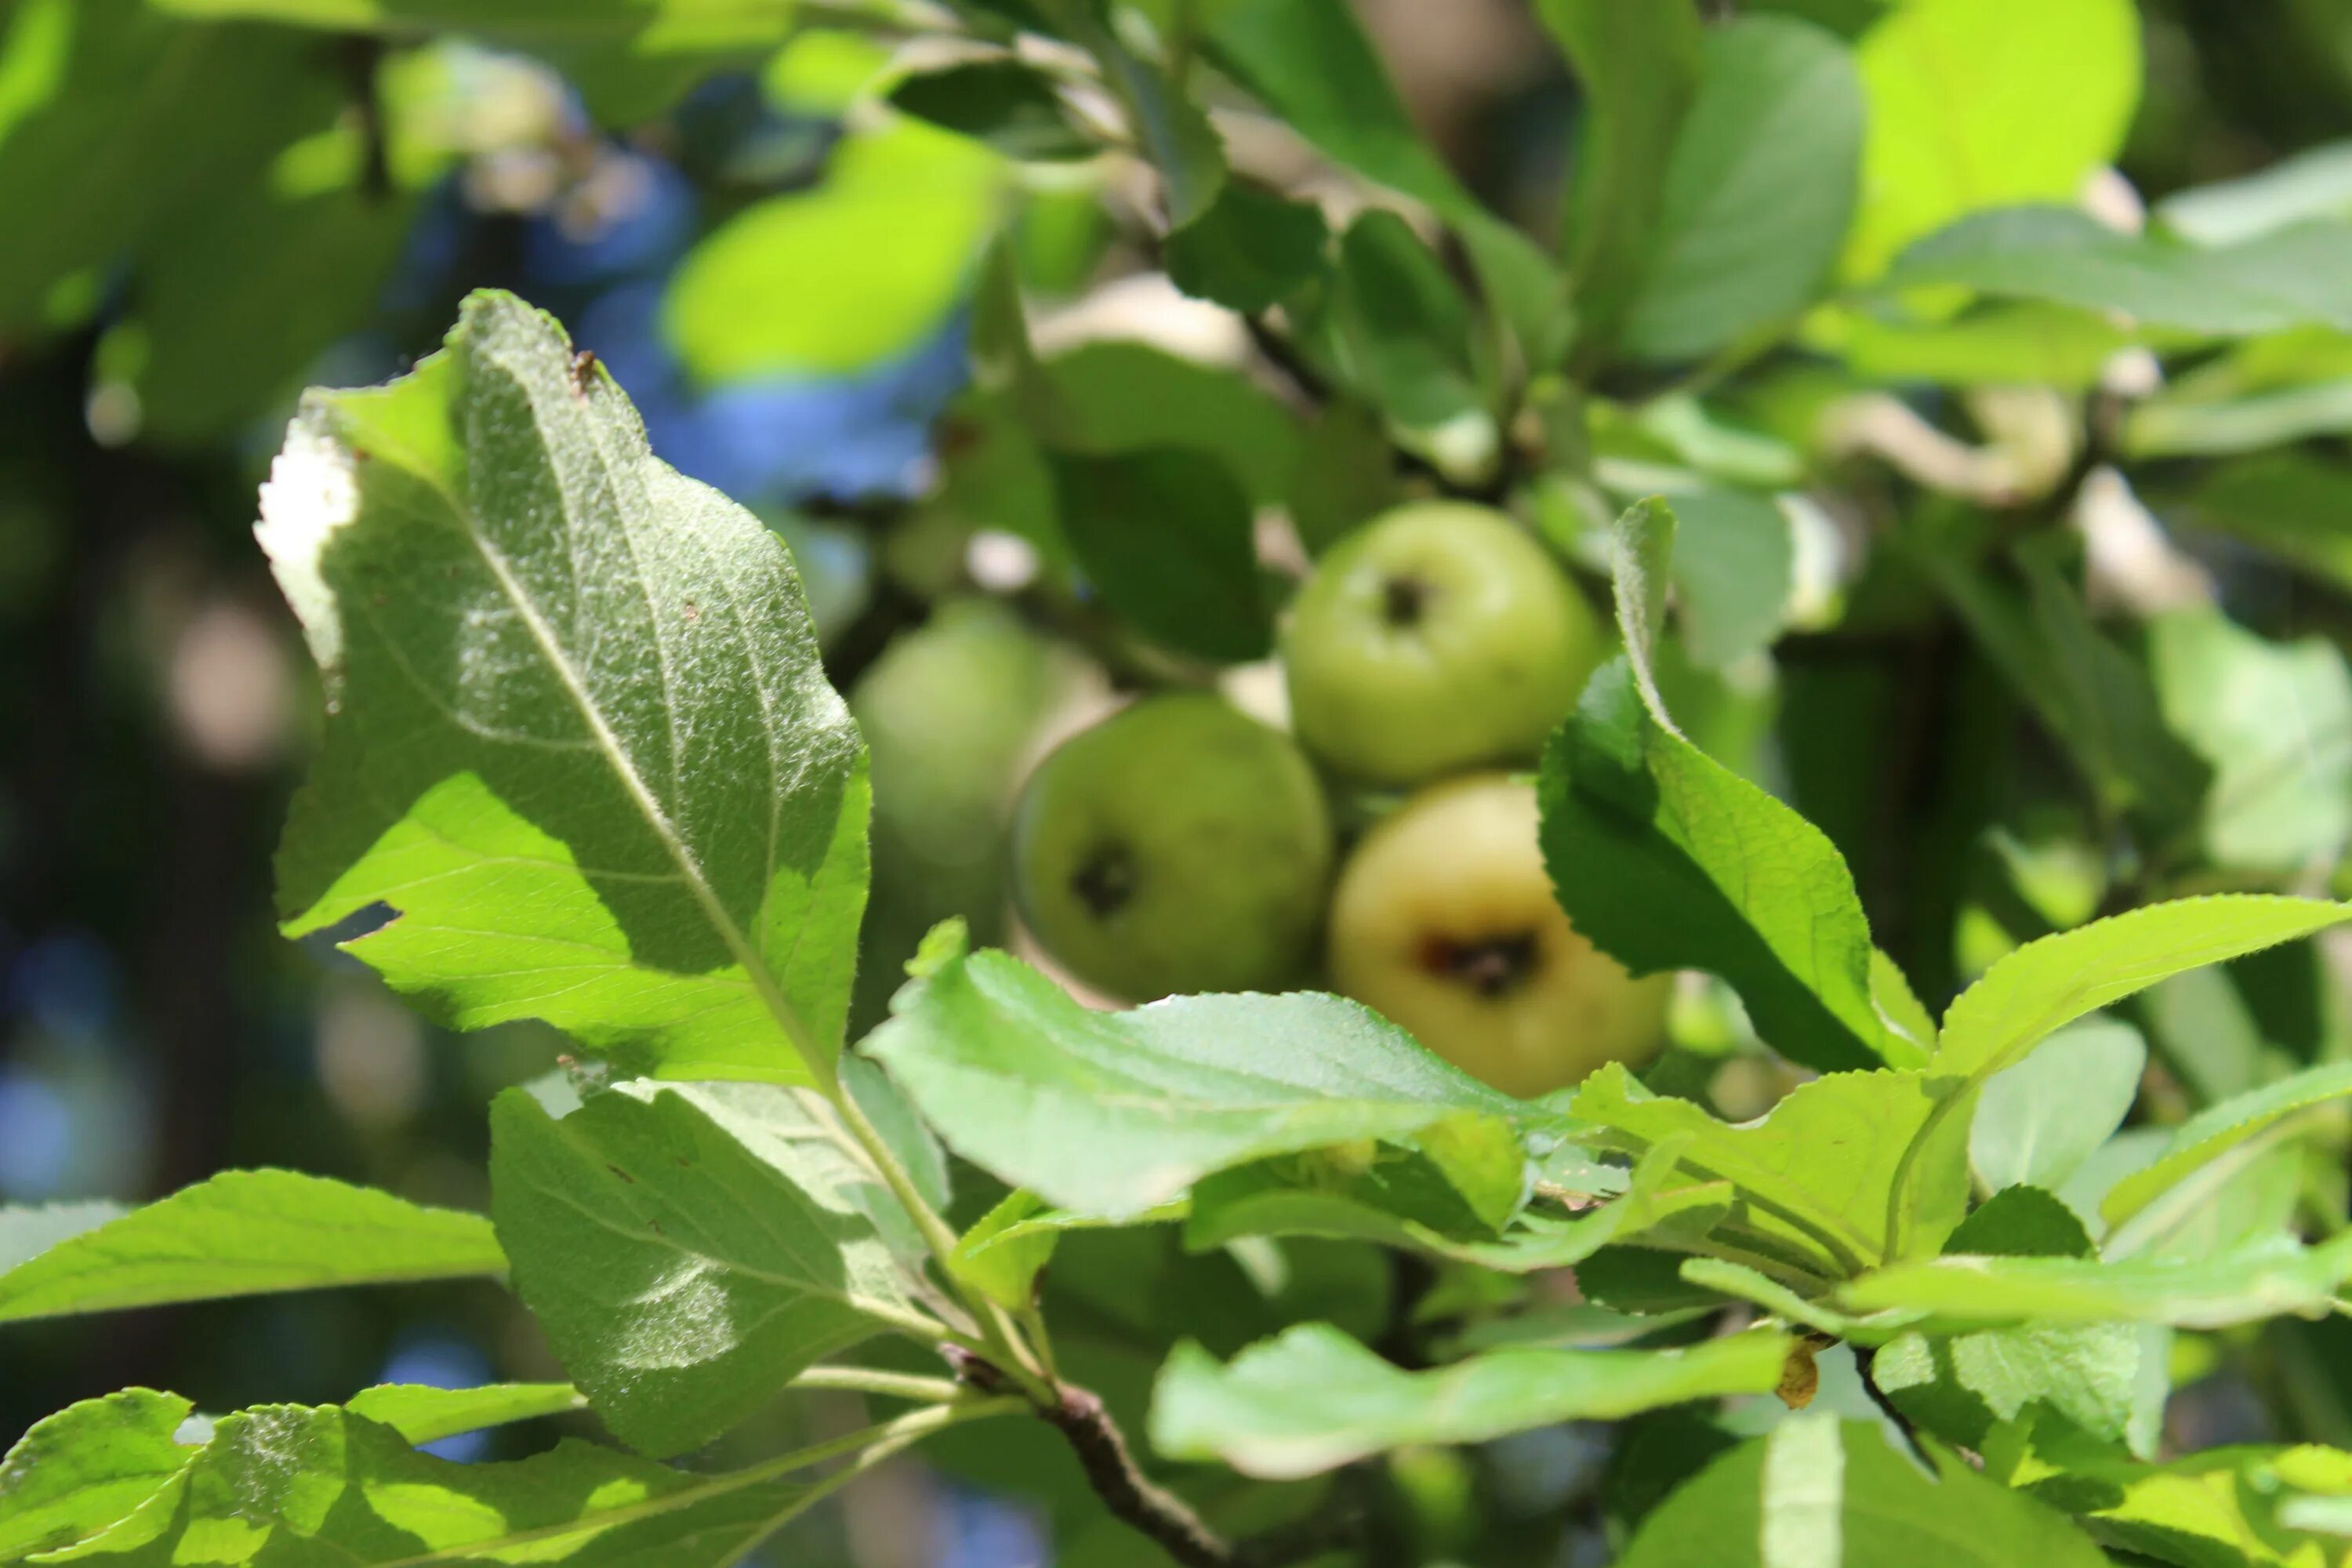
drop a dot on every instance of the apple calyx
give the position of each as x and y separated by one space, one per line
1492 966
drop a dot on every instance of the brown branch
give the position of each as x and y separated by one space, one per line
1865 1362
1111 1471
1079 1415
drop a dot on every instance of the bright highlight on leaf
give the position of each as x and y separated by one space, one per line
578 741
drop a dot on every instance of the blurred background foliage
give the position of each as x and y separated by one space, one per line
772 232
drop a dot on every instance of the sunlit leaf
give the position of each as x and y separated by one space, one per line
1315 1399
243 1233
1113 1113
579 740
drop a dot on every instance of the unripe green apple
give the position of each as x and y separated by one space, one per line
1439 636
1445 923
1179 846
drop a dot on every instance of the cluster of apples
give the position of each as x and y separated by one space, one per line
1181 846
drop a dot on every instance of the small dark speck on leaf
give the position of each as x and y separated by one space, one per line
583 371
691 613
620 1172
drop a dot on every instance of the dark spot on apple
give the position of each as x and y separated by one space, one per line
1403 601
1104 879
1493 966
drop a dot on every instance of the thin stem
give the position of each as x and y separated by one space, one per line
889 1384
879 1443
997 1343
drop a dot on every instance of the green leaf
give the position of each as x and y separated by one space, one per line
1111 399
1996 343
1733 571
1003 1254
2266 1278
236 301
1403 332
2045 985
2227 1131
2037 1121
77 1472
1664 858
2288 504
2293 278
656 26
1758 190
1314 1399
164 118
1962 1386
245 1232
1813 1175
2313 184
27 1231
1817 1492
578 736
1252 248
2275 722
283 1486
1981 103
1010 105
2021 1222
422 1414
690 1250
1310 63
2095 700
1111 1114
862 266
1640 69
1169 538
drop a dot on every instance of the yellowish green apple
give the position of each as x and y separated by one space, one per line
1437 638
1179 846
1443 922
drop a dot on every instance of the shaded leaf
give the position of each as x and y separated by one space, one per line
163 117
1314 1399
687 1251
1664 858
1735 562
1758 190
2295 277
578 736
1309 62
1253 248
2220 1131
245 1233
2275 722
1010 105
2037 1121
1169 538
1639 67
